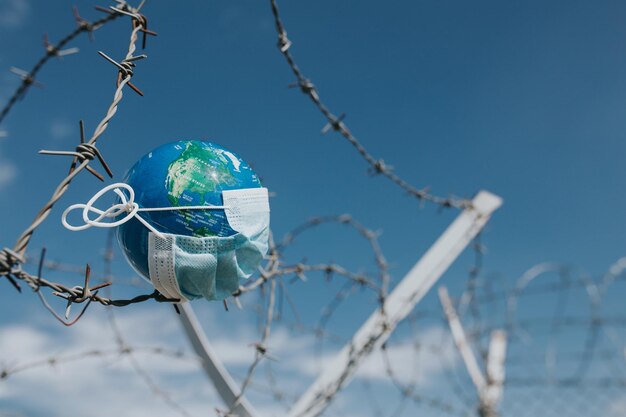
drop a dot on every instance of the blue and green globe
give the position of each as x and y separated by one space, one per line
183 173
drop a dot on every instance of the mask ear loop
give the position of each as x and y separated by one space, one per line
127 205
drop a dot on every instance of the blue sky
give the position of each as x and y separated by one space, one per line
524 99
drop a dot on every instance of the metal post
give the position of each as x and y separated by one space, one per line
215 370
413 287
492 395
460 341
489 386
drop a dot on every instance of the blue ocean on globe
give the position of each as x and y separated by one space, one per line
183 173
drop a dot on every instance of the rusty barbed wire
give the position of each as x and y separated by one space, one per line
86 152
274 277
260 348
122 344
74 269
51 51
12 259
336 123
270 274
345 219
275 269
410 391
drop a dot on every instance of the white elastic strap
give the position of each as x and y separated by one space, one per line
126 206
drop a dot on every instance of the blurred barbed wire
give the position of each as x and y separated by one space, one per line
534 365
336 123
546 371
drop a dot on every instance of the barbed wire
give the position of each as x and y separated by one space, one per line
272 276
8 371
336 123
51 51
277 274
122 350
275 269
411 392
122 344
74 269
11 260
535 362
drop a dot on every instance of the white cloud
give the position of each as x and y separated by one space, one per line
13 13
422 365
114 388
409 364
23 342
108 385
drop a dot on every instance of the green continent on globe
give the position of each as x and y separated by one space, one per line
197 170
203 232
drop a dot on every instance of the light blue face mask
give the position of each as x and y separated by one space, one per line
187 267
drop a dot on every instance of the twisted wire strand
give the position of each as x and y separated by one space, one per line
123 345
275 269
272 273
336 123
12 259
51 52
67 268
24 239
369 235
261 351
8 371
410 391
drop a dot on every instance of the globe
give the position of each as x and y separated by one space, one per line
183 173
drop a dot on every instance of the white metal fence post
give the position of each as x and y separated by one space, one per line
215 370
489 384
398 305
492 396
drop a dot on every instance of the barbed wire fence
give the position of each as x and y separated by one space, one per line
11 259
29 78
541 377
533 364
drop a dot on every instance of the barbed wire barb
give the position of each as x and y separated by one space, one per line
28 77
336 123
536 351
12 259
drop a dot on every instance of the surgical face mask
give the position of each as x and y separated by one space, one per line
187 267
